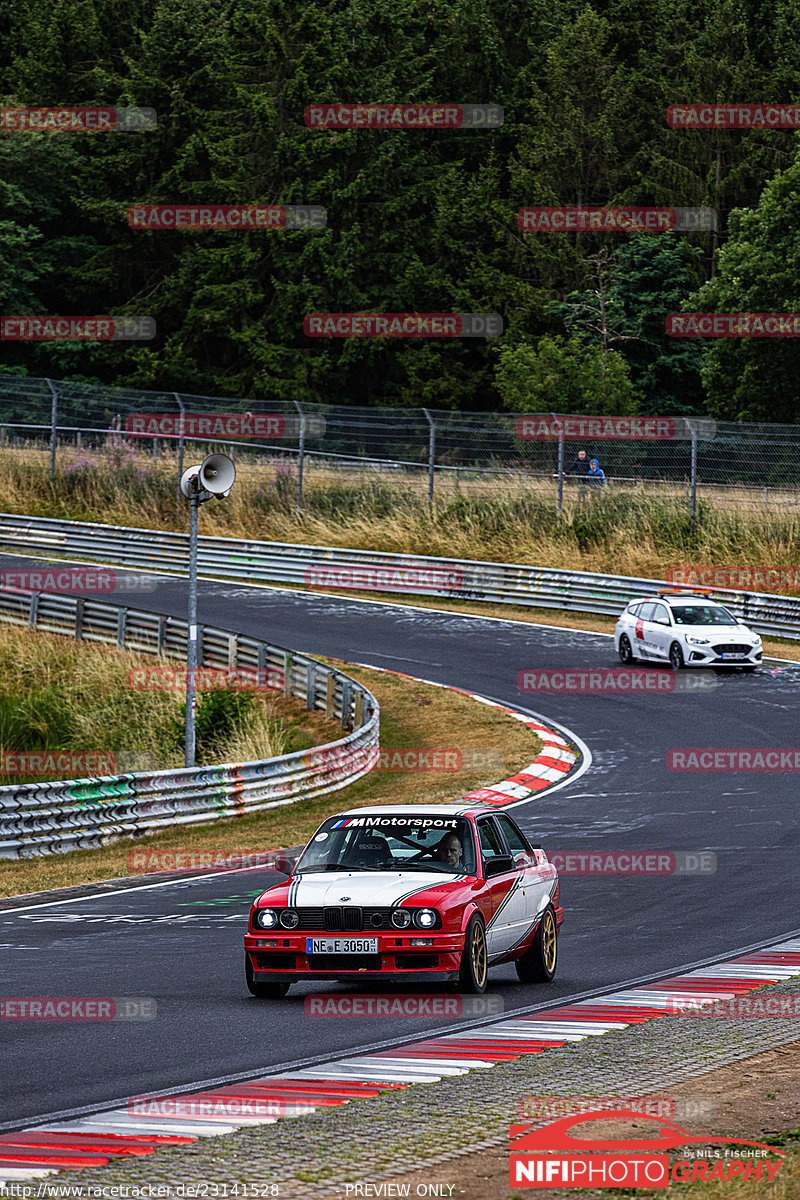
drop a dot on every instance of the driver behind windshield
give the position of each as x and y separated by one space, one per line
449 850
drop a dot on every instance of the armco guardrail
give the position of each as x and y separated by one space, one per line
332 568
44 818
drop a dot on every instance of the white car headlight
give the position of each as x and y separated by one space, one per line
265 918
698 641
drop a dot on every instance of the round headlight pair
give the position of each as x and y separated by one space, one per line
268 918
424 918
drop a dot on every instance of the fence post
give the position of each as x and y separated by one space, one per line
694 473
431 454
301 455
53 426
179 402
560 500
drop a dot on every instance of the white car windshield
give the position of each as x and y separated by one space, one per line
702 614
392 842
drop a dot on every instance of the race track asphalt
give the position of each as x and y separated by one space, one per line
181 944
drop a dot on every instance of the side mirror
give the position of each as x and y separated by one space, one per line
498 865
284 864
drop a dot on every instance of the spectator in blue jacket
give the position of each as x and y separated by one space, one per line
595 476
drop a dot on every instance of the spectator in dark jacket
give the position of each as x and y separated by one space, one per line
580 464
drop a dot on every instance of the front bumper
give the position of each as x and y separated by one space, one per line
284 956
707 656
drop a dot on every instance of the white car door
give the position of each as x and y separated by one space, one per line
660 631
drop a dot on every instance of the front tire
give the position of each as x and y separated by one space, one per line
538 963
676 657
625 652
264 991
473 973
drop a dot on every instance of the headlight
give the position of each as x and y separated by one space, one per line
401 918
425 918
698 641
290 919
265 918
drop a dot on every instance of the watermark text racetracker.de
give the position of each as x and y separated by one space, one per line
666 1108
174 679
612 680
77 1008
633 862
76 329
700 115
406 758
395 577
732 325
77 120
401 1005
185 858
403 116
72 581
748 577
615 220
402 325
734 758
256 217
751 1008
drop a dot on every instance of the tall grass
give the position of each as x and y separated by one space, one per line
630 530
57 695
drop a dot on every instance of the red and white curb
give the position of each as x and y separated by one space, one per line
552 764
138 1130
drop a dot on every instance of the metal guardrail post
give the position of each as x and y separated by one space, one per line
80 604
122 626
431 454
330 698
347 699
311 687
33 611
53 426
301 456
287 673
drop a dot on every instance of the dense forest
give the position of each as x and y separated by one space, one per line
417 220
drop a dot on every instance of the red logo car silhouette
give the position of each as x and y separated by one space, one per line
556 1136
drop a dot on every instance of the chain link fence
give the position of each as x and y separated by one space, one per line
682 455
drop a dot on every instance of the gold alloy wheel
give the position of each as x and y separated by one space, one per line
478 952
549 950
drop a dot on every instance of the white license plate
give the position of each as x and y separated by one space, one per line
341 945
733 657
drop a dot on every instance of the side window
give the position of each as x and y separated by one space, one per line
489 838
635 610
516 842
645 613
660 614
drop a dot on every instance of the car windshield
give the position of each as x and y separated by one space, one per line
702 614
392 842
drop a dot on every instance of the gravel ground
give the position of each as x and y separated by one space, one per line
428 1124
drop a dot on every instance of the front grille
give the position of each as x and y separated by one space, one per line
276 961
732 648
344 962
415 962
335 919
342 918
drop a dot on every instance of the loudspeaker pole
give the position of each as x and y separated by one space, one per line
191 641
214 477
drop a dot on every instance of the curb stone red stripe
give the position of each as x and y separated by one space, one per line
502 1041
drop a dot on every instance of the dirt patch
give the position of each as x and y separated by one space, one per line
755 1099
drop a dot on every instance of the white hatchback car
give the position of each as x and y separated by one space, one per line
687 630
